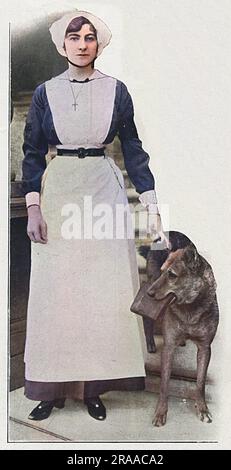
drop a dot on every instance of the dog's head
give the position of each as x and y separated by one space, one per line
185 274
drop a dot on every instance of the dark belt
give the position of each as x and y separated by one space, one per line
82 152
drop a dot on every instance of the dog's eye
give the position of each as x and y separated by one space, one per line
171 274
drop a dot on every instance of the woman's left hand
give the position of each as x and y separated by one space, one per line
155 228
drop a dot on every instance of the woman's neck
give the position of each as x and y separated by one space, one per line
80 73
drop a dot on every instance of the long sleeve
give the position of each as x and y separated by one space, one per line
136 160
35 146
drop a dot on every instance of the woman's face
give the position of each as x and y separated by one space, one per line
81 46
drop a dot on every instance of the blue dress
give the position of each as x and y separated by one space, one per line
40 132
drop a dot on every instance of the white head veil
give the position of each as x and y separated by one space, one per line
59 27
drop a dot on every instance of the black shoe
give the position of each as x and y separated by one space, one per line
44 409
96 408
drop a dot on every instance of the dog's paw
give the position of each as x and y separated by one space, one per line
159 419
204 415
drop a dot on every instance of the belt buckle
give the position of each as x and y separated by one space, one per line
81 152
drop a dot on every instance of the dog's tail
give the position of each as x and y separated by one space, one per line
144 250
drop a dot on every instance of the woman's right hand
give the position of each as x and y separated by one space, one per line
36 226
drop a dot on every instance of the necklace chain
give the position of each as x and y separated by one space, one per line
75 104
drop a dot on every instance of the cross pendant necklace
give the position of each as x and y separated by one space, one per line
75 104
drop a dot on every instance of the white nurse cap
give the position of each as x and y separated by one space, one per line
59 27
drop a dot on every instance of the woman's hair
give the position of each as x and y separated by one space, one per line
77 23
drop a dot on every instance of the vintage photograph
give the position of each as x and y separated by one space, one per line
117 200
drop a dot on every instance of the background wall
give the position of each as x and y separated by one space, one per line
174 56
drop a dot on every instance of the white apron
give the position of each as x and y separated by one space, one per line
79 324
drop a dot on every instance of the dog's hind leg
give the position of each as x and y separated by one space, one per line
166 366
203 358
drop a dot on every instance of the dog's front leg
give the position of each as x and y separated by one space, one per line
166 366
203 358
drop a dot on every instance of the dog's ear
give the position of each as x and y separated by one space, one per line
191 257
209 278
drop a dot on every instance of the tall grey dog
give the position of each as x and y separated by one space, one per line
188 280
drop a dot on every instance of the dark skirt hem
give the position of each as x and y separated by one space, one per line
47 391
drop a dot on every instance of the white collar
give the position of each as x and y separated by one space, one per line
95 75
